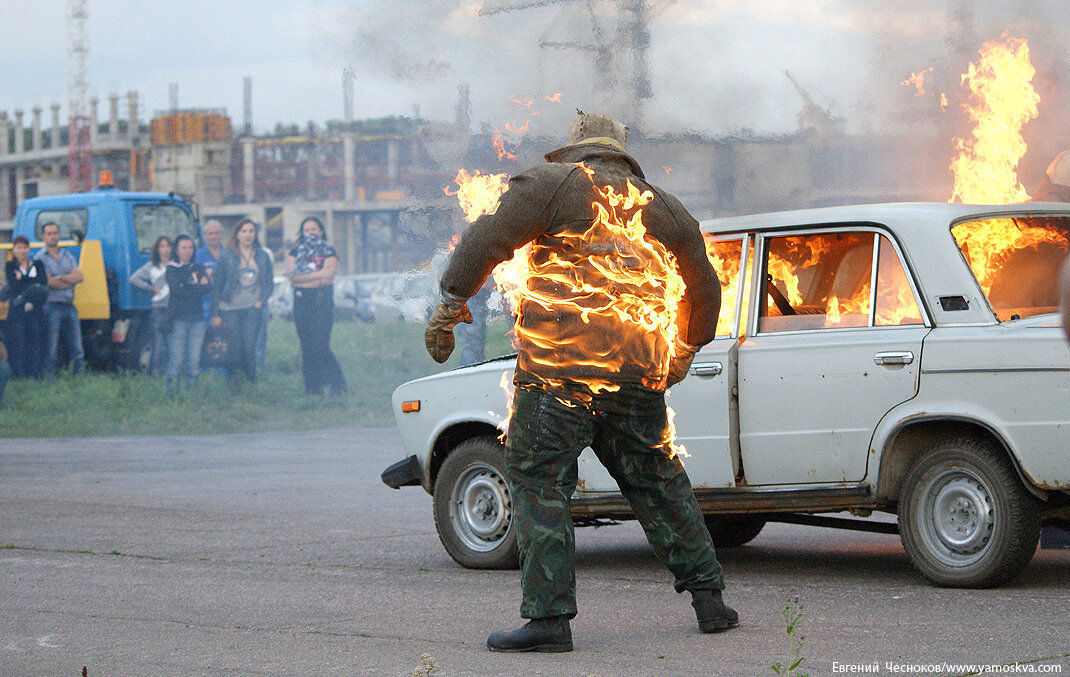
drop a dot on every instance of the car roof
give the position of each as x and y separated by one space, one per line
95 197
900 213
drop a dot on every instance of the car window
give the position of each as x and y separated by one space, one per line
153 220
820 281
725 256
68 221
895 302
1013 259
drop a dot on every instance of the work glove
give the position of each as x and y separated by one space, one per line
438 337
680 362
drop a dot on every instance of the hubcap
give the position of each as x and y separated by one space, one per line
481 507
956 517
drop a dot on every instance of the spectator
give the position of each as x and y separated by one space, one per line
5 368
311 267
63 275
241 285
188 283
152 277
208 255
27 290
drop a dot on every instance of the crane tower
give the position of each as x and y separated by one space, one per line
79 134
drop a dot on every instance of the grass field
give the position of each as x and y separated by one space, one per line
375 360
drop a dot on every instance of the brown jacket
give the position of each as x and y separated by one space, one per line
555 199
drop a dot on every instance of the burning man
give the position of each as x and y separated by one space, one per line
588 375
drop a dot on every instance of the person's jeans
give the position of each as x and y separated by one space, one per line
187 337
158 329
243 325
63 319
260 352
5 371
314 319
25 341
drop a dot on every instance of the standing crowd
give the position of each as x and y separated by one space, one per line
219 291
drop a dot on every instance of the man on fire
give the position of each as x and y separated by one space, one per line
590 370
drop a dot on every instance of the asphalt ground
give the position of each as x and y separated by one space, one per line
284 554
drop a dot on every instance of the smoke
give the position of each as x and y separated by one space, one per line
715 66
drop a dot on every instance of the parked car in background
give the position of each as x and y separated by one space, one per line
900 358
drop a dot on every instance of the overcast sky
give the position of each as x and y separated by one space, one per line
717 66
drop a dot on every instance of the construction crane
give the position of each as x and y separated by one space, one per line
814 118
620 60
79 131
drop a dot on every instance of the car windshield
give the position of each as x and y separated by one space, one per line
1014 260
154 220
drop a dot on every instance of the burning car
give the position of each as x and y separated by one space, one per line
900 358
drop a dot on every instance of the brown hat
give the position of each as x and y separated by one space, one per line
597 128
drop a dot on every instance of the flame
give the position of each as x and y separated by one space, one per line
917 81
522 129
989 243
628 283
556 98
499 145
724 255
477 193
522 103
666 169
1004 100
944 103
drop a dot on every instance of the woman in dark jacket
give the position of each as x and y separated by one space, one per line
241 285
311 267
26 294
188 282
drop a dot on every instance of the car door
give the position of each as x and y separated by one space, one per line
835 345
700 404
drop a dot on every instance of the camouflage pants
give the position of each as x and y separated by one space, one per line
625 429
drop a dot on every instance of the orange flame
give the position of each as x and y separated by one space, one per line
499 145
523 103
1004 100
944 103
628 283
556 98
478 193
917 81
666 169
522 129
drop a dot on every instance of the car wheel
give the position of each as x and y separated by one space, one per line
732 531
964 517
473 506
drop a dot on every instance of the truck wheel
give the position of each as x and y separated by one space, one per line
732 531
473 506
965 519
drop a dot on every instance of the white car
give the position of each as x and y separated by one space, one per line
906 359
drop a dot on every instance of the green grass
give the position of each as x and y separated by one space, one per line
375 359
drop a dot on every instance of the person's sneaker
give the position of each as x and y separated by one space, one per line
712 613
547 635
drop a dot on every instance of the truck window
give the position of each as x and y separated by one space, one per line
1014 260
68 221
153 220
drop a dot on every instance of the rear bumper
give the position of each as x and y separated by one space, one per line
404 473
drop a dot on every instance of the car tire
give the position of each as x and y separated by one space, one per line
732 531
473 506
965 518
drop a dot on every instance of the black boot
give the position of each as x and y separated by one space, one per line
548 635
713 615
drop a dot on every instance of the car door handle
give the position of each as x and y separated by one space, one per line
706 369
894 357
